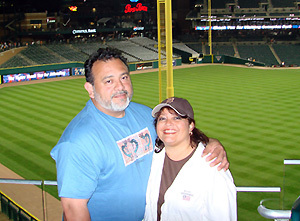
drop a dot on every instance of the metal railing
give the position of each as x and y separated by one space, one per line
54 183
273 214
262 209
15 211
293 214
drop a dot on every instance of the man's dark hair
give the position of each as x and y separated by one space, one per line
102 54
197 135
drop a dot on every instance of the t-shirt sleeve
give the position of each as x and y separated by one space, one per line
76 172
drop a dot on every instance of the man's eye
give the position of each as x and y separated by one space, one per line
108 81
178 118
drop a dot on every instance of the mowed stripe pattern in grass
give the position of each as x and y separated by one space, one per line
32 120
253 112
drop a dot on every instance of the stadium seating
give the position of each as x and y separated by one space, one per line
67 51
249 4
223 50
130 48
218 4
145 49
184 47
147 42
196 47
261 53
39 55
285 3
88 48
288 53
16 61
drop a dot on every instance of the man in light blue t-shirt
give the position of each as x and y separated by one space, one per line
104 156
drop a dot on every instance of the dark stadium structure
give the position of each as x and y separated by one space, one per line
264 31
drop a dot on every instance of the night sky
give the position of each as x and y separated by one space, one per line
55 5
30 5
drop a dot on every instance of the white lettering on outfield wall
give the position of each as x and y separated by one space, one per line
84 31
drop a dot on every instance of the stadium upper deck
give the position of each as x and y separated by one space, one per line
242 9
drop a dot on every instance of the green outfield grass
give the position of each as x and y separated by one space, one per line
255 113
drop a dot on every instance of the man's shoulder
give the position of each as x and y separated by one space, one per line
80 124
139 111
139 107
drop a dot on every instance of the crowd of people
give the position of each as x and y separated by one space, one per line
4 46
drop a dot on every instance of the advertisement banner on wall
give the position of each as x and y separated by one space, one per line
142 66
57 73
35 76
15 77
77 71
164 63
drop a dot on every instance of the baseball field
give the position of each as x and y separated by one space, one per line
255 113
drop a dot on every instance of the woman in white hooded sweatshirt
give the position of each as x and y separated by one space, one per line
182 185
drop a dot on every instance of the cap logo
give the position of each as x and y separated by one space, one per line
170 100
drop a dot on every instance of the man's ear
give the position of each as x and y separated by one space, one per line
89 88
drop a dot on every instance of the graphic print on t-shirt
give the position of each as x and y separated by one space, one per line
135 146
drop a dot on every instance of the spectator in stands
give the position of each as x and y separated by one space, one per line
7 46
182 185
104 156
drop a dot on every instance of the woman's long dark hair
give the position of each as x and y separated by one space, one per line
197 136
